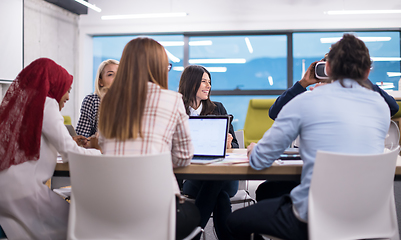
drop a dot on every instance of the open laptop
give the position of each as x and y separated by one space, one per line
209 138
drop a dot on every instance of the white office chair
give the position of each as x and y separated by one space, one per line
240 138
352 197
121 197
393 136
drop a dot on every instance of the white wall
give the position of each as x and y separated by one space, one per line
11 47
11 38
52 32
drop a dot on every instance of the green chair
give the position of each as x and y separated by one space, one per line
397 117
257 120
67 120
398 114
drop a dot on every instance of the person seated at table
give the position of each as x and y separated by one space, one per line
32 131
271 189
88 120
139 115
210 196
346 116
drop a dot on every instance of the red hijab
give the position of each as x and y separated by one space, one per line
21 111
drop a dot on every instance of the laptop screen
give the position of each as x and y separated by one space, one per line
209 135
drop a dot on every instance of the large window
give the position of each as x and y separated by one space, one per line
384 49
242 62
256 65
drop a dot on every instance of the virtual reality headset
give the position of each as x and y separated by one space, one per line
320 71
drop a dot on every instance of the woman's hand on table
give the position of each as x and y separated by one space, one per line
80 140
229 140
93 142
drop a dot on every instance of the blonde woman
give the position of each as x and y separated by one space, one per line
87 123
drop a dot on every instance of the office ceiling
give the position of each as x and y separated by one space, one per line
217 15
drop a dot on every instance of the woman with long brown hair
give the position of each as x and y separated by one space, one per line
138 115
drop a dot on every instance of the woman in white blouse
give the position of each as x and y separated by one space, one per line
32 131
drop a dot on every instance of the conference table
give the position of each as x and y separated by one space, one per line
236 168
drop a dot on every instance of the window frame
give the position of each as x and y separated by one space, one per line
290 59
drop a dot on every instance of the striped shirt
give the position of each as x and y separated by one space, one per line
165 128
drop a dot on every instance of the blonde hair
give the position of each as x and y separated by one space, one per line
143 60
100 69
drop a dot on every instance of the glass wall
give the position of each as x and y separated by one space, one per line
384 49
242 62
256 65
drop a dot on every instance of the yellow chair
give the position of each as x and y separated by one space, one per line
257 120
398 114
67 120
397 117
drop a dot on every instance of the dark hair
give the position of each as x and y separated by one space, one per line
349 58
190 81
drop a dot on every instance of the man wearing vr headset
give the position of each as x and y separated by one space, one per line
300 87
326 119
271 189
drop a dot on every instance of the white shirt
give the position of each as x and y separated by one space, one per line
195 112
28 208
350 120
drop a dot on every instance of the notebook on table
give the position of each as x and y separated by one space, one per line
209 138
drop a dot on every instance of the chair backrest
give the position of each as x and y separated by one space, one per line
67 120
121 197
398 114
352 197
257 120
393 136
240 138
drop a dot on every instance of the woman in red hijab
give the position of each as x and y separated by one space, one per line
32 131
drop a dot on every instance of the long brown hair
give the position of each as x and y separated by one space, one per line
143 60
190 82
349 58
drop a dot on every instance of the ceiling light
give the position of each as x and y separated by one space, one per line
386 59
365 39
172 57
181 43
91 6
200 43
210 69
223 60
216 69
145 15
393 74
351 12
179 69
248 44
270 78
